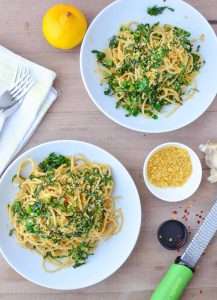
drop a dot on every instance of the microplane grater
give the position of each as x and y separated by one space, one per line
201 239
181 271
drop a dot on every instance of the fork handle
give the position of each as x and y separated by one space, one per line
2 121
7 113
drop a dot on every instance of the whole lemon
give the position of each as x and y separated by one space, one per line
64 26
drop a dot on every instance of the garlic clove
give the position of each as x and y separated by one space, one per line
210 150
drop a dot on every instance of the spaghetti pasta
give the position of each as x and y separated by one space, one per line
64 208
148 67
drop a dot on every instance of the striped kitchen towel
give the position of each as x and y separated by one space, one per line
20 126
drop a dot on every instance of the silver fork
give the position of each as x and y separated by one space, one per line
22 83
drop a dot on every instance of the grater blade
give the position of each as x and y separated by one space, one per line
201 239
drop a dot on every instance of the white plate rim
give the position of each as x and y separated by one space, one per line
139 219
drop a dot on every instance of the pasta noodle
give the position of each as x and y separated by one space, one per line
64 208
148 67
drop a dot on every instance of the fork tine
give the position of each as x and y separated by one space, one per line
22 83
18 80
21 86
24 90
15 76
21 71
19 83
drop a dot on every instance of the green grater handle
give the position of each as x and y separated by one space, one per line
173 284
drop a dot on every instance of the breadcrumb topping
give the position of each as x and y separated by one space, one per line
169 167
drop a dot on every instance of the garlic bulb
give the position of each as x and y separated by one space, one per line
210 150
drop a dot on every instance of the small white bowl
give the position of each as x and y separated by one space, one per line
177 193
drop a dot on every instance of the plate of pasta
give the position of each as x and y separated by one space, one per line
68 208
150 65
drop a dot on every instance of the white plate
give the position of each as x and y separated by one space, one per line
107 258
178 193
108 22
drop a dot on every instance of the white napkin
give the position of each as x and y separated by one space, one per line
20 126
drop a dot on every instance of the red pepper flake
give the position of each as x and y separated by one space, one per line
175 212
198 222
185 211
201 211
201 292
200 217
189 232
197 215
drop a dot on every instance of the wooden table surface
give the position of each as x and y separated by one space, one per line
74 116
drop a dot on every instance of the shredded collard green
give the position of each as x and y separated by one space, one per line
156 10
72 221
163 56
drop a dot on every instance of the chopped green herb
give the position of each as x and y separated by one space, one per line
28 210
100 55
14 177
37 191
54 161
113 42
12 231
156 10
17 209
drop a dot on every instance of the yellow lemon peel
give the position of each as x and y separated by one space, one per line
64 26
